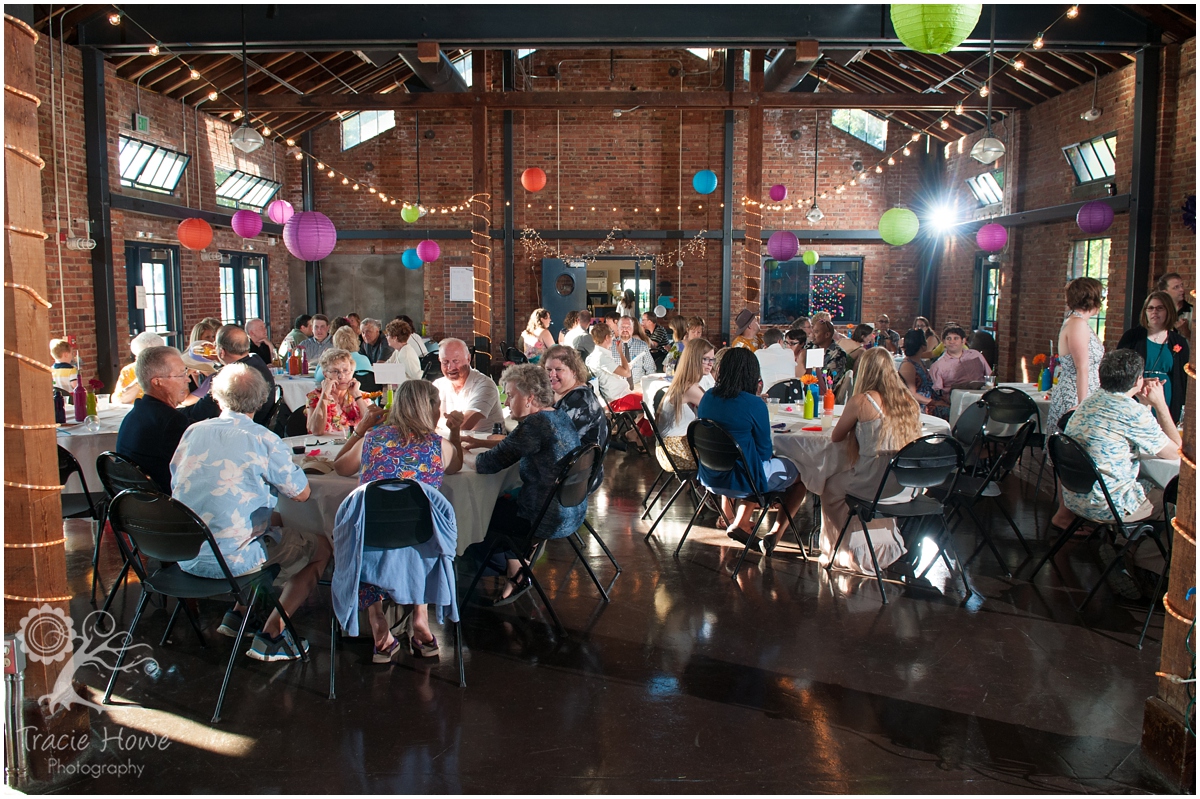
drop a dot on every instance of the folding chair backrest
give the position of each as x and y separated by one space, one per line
659 396
661 442
431 367
1077 471
571 485
1064 420
845 387
515 355
715 448
297 424
1007 405
968 430
787 391
397 515
118 473
1012 453
366 380
160 527
926 462
67 466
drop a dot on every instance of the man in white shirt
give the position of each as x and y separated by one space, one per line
577 337
465 390
612 376
775 361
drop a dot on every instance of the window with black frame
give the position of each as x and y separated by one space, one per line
243 286
792 288
987 294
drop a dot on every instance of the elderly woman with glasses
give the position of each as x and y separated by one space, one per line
338 403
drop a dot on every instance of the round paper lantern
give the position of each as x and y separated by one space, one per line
194 233
410 259
934 27
533 179
246 224
898 226
811 257
705 181
783 245
410 213
779 192
992 237
1094 217
429 251
309 235
280 211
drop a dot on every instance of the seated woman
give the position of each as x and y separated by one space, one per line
128 389
931 339
734 404
679 403
1163 350
914 375
568 324
536 338
398 334
796 340
574 396
613 378
346 339
337 404
984 343
402 446
879 420
862 337
544 436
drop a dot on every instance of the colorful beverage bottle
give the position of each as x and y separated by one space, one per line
810 405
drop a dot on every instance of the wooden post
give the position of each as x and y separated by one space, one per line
35 563
752 246
481 206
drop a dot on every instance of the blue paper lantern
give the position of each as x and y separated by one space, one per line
705 181
410 259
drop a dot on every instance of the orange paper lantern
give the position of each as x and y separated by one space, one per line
195 233
533 179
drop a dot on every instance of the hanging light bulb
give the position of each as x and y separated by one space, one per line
195 75
1039 42
984 91
320 166
393 202
266 131
916 137
945 125
383 197
958 109
237 114
1072 12
355 187
906 151
853 182
1019 64
291 142
345 181
815 214
371 189
299 156
114 18
330 173
154 49
212 96
878 169
891 161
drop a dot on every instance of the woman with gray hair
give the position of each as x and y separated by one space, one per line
339 403
544 436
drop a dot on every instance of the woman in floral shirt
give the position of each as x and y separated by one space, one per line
338 404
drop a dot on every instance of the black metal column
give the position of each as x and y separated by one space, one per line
510 294
312 269
733 65
95 126
1141 189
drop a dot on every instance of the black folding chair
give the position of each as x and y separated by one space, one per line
624 421
717 451
396 515
482 354
929 461
570 490
594 485
431 367
1060 426
117 473
651 412
970 490
685 474
75 507
366 380
166 529
297 424
1010 406
969 433
514 355
788 391
1078 474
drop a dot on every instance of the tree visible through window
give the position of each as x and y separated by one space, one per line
1089 258
861 125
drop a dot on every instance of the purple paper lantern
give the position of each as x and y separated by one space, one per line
1094 217
992 237
246 224
309 235
779 192
428 251
783 245
280 211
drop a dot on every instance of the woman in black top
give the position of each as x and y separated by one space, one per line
1162 349
574 396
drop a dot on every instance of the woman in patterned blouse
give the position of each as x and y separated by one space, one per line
404 446
575 397
338 404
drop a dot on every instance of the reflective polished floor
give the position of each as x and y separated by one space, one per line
786 680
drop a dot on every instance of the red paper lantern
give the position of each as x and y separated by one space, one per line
194 233
533 179
992 237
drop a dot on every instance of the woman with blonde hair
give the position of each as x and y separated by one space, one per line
678 409
205 330
405 445
346 339
536 336
881 417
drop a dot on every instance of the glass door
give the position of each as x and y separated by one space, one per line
152 276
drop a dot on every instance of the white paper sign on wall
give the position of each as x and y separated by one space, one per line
462 284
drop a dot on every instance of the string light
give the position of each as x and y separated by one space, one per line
321 167
355 187
1039 42
906 151
154 49
1019 64
891 162
331 173
345 181
213 96
266 131
945 125
916 137
878 169
194 75
299 156
114 19
958 109
984 91
1072 12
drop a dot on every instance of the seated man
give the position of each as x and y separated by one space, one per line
463 389
632 348
260 345
151 430
775 361
227 470
958 367
1115 426
374 343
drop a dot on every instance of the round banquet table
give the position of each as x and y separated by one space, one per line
473 495
295 389
961 398
86 445
816 456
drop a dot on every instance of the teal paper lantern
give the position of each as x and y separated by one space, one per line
410 259
705 181
934 27
898 226
811 257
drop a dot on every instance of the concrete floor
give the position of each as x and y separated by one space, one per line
785 681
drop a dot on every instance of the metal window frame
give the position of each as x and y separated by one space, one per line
247 191
140 174
1099 321
979 307
239 263
357 116
867 115
1077 158
856 274
984 191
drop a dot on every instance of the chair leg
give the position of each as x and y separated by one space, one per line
1104 575
96 552
171 622
699 505
237 644
949 547
987 537
1062 539
836 546
479 574
462 672
875 561
195 623
137 616
762 514
1153 604
603 546
1008 517
666 484
122 576
667 507
654 485
795 530
587 566
333 642
537 586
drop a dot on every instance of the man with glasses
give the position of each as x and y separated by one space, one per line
885 336
465 390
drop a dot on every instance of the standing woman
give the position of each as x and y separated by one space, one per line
536 336
627 305
1078 362
1163 350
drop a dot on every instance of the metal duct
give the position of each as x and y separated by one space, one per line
439 77
786 71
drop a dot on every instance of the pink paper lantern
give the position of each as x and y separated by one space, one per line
992 237
779 192
783 245
1094 217
428 251
247 224
280 211
309 235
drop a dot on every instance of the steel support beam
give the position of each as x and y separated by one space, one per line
95 134
1141 184
141 205
510 239
733 69
1055 213
312 269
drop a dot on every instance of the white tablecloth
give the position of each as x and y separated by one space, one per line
86 446
295 389
960 399
473 496
1158 470
815 454
650 384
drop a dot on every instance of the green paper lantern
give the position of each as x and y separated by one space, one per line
410 213
898 226
934 27
811 257
772 264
